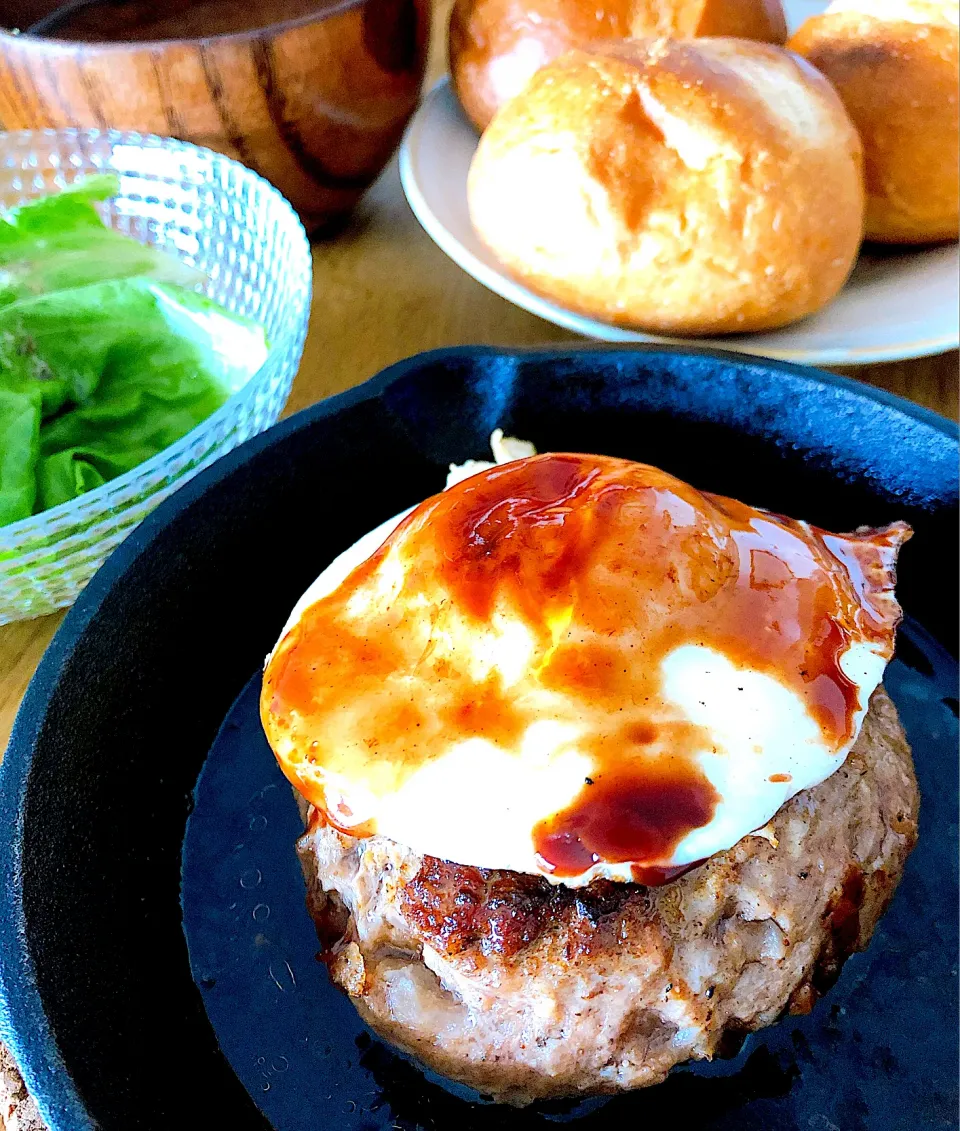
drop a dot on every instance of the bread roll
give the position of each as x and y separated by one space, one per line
895 65
698 187
497 45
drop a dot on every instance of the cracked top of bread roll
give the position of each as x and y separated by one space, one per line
496 46
896 65
683 187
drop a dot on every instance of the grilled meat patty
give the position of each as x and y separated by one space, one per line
525 990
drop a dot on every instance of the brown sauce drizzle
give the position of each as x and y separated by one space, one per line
610 566
621 817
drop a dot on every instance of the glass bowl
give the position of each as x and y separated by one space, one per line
215 215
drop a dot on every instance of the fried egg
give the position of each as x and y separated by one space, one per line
579 667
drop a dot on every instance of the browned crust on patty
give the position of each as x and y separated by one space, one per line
526 990
457 909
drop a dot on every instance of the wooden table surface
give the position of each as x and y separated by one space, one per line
382 291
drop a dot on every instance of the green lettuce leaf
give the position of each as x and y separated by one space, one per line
59 241
157 377
19 451
105 359
145 363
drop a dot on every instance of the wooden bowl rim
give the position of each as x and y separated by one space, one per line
37 42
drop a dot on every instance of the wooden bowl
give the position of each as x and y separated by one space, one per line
313 95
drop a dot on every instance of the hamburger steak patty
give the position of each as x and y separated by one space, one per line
526 990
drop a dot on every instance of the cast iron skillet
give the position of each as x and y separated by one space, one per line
96 994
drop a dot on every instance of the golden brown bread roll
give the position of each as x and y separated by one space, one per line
497 45
895 65
696 187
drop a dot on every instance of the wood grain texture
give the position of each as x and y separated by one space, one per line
316 105
383 291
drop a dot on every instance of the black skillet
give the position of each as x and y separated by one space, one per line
111 1025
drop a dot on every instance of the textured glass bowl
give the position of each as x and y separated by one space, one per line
215 215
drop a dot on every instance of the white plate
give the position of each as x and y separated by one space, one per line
896 304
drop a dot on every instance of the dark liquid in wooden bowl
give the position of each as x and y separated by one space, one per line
132 21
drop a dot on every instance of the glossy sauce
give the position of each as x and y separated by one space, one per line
627 816
608 566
